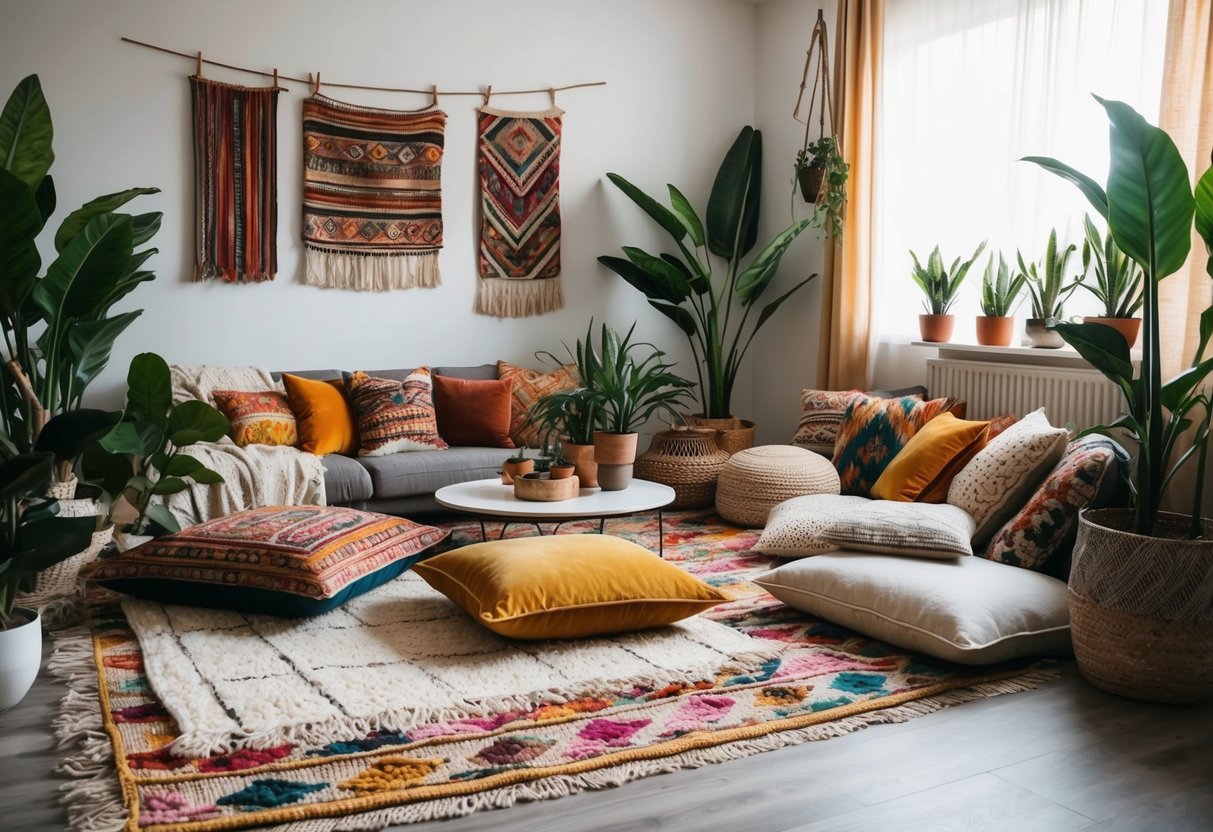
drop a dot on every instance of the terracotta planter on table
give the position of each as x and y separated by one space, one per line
582 457
513 470
615 454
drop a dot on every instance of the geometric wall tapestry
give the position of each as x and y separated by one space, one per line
235 181
372 195
519 213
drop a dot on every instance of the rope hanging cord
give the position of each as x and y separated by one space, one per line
821 79
313 82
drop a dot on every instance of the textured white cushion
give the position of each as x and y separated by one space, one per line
998 481
820 523
970 610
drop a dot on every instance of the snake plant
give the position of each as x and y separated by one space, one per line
1046 280
940 286
1000 293
1118 280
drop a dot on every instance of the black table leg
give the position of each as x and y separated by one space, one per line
660 534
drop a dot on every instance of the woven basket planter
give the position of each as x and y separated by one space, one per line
732 434
756 480
688 461
1141 608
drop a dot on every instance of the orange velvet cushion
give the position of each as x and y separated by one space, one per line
326 425
937 492
927 456
473 412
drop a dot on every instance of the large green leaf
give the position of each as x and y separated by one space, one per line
664 216
76 220
46 198
90 344
205 476
731 214
194 415
85 272
26 133
145 226
673 279
648 285
1150 203
686 214
47 542
27 475
1093 191
108 470
132 439
677 314
1175 391
20 221
161 516
1103 347
68 434
149 389
1204 215
753 281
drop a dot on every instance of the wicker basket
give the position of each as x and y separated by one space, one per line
756 480
732 434
1141 608
688 461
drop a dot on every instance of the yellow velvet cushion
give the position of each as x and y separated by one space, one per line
326 425
927 457
566 586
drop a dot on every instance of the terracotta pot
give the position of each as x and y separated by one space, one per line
995 330
936 328
561 472
1128 327
1041 336
511 470
615 448
810 180
732 434
582 457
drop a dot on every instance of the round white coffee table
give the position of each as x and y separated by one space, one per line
491 499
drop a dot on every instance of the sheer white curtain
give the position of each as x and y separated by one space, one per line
967 88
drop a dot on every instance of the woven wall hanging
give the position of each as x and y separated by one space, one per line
519 213
235 181
372 195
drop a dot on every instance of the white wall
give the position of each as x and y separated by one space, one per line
785 352
681 82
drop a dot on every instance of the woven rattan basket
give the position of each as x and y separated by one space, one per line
1141 608
732 434
757 479
688 461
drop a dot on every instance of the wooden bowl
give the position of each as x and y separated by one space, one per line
546 490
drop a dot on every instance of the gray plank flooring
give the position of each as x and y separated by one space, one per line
1063 757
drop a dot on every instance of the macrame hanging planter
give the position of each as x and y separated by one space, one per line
821 172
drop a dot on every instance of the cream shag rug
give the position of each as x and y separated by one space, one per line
399 656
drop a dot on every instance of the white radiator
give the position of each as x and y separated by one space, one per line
1076 398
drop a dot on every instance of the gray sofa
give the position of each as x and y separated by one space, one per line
404 483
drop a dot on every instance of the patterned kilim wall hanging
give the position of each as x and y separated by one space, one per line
236 181
520 213
372 195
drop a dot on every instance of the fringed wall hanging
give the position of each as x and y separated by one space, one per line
372 195
520 212
236 181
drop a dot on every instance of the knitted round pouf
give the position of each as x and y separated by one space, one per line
757 479
688 461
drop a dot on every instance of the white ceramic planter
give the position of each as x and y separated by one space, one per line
20 658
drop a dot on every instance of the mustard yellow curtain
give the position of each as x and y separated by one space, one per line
1186 113
846 349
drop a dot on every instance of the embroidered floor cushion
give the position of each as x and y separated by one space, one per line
1048 522
279 560
968 610
872 432
263 417
528 387
566 586
326 425
394 416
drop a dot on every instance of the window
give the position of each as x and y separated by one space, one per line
967 89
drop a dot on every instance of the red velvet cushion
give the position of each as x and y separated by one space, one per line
473 412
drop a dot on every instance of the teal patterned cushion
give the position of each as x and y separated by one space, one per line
872 432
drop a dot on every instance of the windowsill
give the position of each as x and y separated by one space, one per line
1065 356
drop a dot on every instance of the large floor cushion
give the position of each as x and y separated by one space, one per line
346 480
424 472
969 610
755 480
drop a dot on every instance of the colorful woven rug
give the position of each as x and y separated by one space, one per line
823 682
519 213
235 181
372 195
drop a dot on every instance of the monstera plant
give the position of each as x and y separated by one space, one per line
59 327
716 304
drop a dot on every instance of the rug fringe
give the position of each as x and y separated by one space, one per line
518 298
93 797
371 272
563 785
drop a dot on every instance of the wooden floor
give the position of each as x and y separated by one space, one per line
1063 757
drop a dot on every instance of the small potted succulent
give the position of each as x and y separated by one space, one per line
1118 282
559 467
1000 294
940 287
1049 291
516 466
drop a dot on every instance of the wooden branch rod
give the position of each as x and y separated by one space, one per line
197 56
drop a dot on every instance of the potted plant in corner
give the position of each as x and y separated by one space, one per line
1000 294
1049 292
715 307
940 288
628 390
1118 282
1141 585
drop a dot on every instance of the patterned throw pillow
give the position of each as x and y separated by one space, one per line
821 414
528 387
261 418
280 560
1048 522
997 482
873 431
394 416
